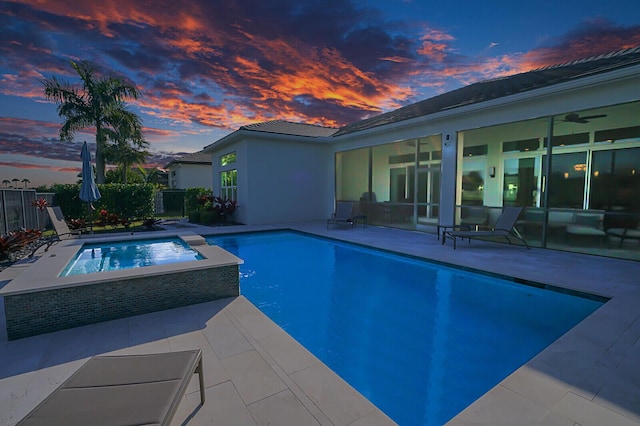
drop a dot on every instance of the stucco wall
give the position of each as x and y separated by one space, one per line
279 180
287 181
191 176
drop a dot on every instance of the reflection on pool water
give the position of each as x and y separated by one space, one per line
419 340
116 255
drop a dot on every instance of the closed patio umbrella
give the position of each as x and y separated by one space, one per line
88 189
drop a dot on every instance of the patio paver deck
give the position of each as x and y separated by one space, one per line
256 374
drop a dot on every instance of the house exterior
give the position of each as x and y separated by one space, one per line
462 156
277 171
193 170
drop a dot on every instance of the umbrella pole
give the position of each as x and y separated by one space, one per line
90 214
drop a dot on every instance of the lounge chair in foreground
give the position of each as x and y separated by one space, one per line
121 390
343 214
504 227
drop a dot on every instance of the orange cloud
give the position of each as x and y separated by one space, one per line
435 44
295 69
195 68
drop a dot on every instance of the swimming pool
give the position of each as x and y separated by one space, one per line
421 341
117 255
37 302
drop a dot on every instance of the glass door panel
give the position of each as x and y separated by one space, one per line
520 187
566 185
428 193
473 182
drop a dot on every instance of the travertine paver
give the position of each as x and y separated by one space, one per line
591 375
246 383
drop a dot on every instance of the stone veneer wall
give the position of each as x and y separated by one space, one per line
29 314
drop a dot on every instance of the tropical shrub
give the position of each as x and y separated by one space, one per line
222 208
17 240
192 197
151 224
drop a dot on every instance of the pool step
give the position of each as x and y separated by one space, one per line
194 240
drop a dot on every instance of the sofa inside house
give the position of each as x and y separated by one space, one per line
565 224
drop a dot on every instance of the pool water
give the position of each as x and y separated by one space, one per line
116 255
420 341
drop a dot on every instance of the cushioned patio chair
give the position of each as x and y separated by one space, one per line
343 214
588 224
121 390
504 227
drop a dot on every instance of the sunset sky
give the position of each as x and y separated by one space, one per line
206 67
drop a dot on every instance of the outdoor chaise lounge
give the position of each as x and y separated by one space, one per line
504 227
121 390
343 214
60 226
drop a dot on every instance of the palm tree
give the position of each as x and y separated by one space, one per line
98 102
26 181
6 183
128 147
15 182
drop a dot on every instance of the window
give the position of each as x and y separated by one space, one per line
521 182
567 180
567 140
614 135
227 159
524 145
229 185
473 182
615 180
470 151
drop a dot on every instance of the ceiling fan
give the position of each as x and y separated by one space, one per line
575 118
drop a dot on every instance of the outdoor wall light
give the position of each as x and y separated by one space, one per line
492 171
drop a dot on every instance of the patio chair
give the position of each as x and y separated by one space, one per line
60 225
121 390
504 227
343 214
61 228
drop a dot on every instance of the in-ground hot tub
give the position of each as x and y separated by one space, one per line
39 300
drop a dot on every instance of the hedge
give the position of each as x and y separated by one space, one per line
134 201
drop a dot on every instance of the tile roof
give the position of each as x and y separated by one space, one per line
195 158
290 128
501 87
